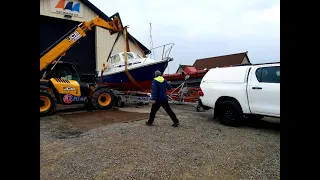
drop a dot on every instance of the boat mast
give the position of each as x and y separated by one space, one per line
151 45
151 41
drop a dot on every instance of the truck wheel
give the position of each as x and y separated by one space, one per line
102 99
230 113
47 103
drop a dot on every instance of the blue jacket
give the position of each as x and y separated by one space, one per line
159 88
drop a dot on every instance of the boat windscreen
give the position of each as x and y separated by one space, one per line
130 56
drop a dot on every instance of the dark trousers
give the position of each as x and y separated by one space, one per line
155 107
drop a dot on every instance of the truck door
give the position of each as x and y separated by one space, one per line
264 90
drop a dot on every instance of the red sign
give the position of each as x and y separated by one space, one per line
67 98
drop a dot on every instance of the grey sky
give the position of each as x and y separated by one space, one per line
203 28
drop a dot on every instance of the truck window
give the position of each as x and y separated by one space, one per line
268 74
258 74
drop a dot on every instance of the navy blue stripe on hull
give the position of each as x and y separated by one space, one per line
140 74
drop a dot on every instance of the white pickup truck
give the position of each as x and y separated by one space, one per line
251 91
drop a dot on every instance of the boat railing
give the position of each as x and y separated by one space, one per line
165 49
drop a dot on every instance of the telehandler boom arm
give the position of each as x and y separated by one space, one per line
59 48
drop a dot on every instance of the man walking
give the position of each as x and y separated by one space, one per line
159 99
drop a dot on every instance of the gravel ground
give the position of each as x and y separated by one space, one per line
200 148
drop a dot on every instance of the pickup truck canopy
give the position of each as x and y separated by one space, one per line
227 74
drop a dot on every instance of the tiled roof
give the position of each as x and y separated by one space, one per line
220 61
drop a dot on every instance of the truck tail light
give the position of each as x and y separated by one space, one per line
200 92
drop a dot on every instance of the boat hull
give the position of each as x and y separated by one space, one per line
142 75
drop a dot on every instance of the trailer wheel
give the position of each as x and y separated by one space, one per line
47 103
199 108
102 99
230 113
120 103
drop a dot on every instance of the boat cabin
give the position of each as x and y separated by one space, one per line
117 60
119 57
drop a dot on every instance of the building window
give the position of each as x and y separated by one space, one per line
268 74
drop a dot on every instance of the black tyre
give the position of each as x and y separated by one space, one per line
47 103
120 103
230 113
198 108
102 99
88 106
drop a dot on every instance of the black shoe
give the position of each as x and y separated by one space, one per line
175 124
148 124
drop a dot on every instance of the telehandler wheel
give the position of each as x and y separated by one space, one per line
102 99
47 103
